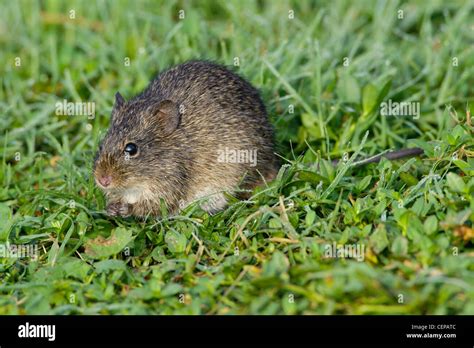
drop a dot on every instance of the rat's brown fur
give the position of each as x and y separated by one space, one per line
211 109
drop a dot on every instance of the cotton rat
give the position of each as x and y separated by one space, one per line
197 131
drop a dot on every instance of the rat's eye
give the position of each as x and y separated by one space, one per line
131 149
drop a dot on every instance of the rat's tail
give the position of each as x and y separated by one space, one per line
391 155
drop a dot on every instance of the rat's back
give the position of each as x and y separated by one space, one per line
210 91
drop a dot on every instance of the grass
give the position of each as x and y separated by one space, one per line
323 75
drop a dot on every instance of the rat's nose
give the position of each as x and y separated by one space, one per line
105 180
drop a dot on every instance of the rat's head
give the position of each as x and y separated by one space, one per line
139 146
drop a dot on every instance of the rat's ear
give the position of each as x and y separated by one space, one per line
119 101
168 116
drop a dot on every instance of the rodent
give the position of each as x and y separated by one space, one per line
167 143
175 140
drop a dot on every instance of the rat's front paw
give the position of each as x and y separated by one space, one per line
119 209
